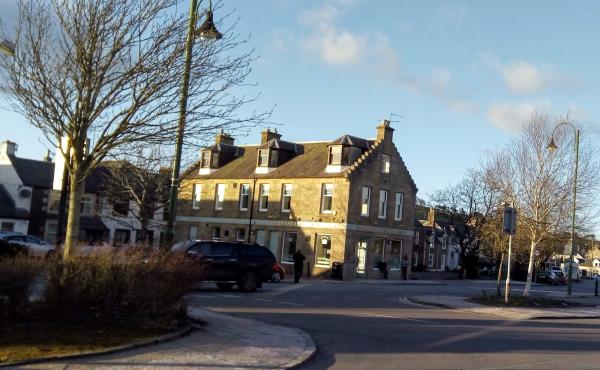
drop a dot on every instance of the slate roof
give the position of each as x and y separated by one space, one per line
353 141
92 223
226 148
7 206
282 145
34 173
311 163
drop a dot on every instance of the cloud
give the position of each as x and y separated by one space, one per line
522 77
510 117
371 52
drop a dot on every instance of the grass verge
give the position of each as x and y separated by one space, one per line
20 342
520 301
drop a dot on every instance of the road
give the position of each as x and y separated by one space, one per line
371 325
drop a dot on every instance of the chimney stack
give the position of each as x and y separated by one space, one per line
48 157
385 133
8 148
268 135
223 138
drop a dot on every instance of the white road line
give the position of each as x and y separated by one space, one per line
290 304
396 317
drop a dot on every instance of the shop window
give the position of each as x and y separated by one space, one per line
290 241
323 250
216 233
240 234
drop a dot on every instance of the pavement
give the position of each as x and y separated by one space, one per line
511 313
225 343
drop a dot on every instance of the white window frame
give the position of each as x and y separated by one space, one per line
193 233
283 246
383 203
219 196
430 260
212 233
365 201
263 191
399 205
259 161
287 190
385 163
335 155
326 188
196 196
318 241
400 252
246 195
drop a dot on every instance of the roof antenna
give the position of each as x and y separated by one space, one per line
395 115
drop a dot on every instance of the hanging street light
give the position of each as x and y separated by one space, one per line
207 31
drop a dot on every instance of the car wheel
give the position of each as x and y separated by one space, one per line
248 282
276 277
225 286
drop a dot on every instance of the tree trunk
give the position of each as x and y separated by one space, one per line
499 284
72 232
529 270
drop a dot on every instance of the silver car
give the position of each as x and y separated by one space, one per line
35 247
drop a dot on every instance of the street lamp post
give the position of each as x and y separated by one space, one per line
7 47
207 31
552 147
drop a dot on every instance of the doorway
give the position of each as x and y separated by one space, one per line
361 256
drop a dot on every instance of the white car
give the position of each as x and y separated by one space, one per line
35 247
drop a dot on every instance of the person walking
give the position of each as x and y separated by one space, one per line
404 266
298 265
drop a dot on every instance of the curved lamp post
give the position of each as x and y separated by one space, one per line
206 31
552 147
7 47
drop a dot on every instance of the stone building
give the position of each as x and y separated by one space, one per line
350 200
436 248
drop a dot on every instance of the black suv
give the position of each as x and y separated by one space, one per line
228 264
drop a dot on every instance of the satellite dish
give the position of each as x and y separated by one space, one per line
25 193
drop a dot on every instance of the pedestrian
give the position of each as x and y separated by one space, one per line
404 266
298 265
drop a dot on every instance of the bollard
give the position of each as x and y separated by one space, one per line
596 292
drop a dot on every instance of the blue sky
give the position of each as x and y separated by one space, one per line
463 74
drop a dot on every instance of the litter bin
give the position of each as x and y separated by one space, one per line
336 270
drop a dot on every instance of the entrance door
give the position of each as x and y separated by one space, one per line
361 255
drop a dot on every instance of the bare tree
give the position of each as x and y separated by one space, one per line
539 184
141 183
471 202
106 73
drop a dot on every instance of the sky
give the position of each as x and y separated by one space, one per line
463 75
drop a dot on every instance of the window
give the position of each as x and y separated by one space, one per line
87 205
244 197
221 250
214 160
379 253
326 198
240 234
255 251
395 254
7 226
323 250
53 201
273 158
417 234
289 247
220 196
335 155
205 161
383 199
286 197
430 262
200 249
121 207
263 157
443 264
216 233
260 237
415 258
196 194
385 163
193 233
399 204
121 237
263 202
274 242
51 230
365 201
444 242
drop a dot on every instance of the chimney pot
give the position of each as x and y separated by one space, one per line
223 138
8 148
268 135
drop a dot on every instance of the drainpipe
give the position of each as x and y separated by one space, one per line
251 210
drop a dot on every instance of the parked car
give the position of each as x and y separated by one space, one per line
278 273
576 275
34 246
551 277
229 264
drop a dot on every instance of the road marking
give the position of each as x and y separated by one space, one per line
285 290
290 304
395 317
408 302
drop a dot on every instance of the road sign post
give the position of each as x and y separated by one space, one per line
509 227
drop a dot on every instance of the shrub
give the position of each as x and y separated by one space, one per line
134 286
17 276
11 250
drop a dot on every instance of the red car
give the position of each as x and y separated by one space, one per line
278 272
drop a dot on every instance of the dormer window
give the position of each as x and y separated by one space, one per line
205 162
335 155
263 158
214 160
